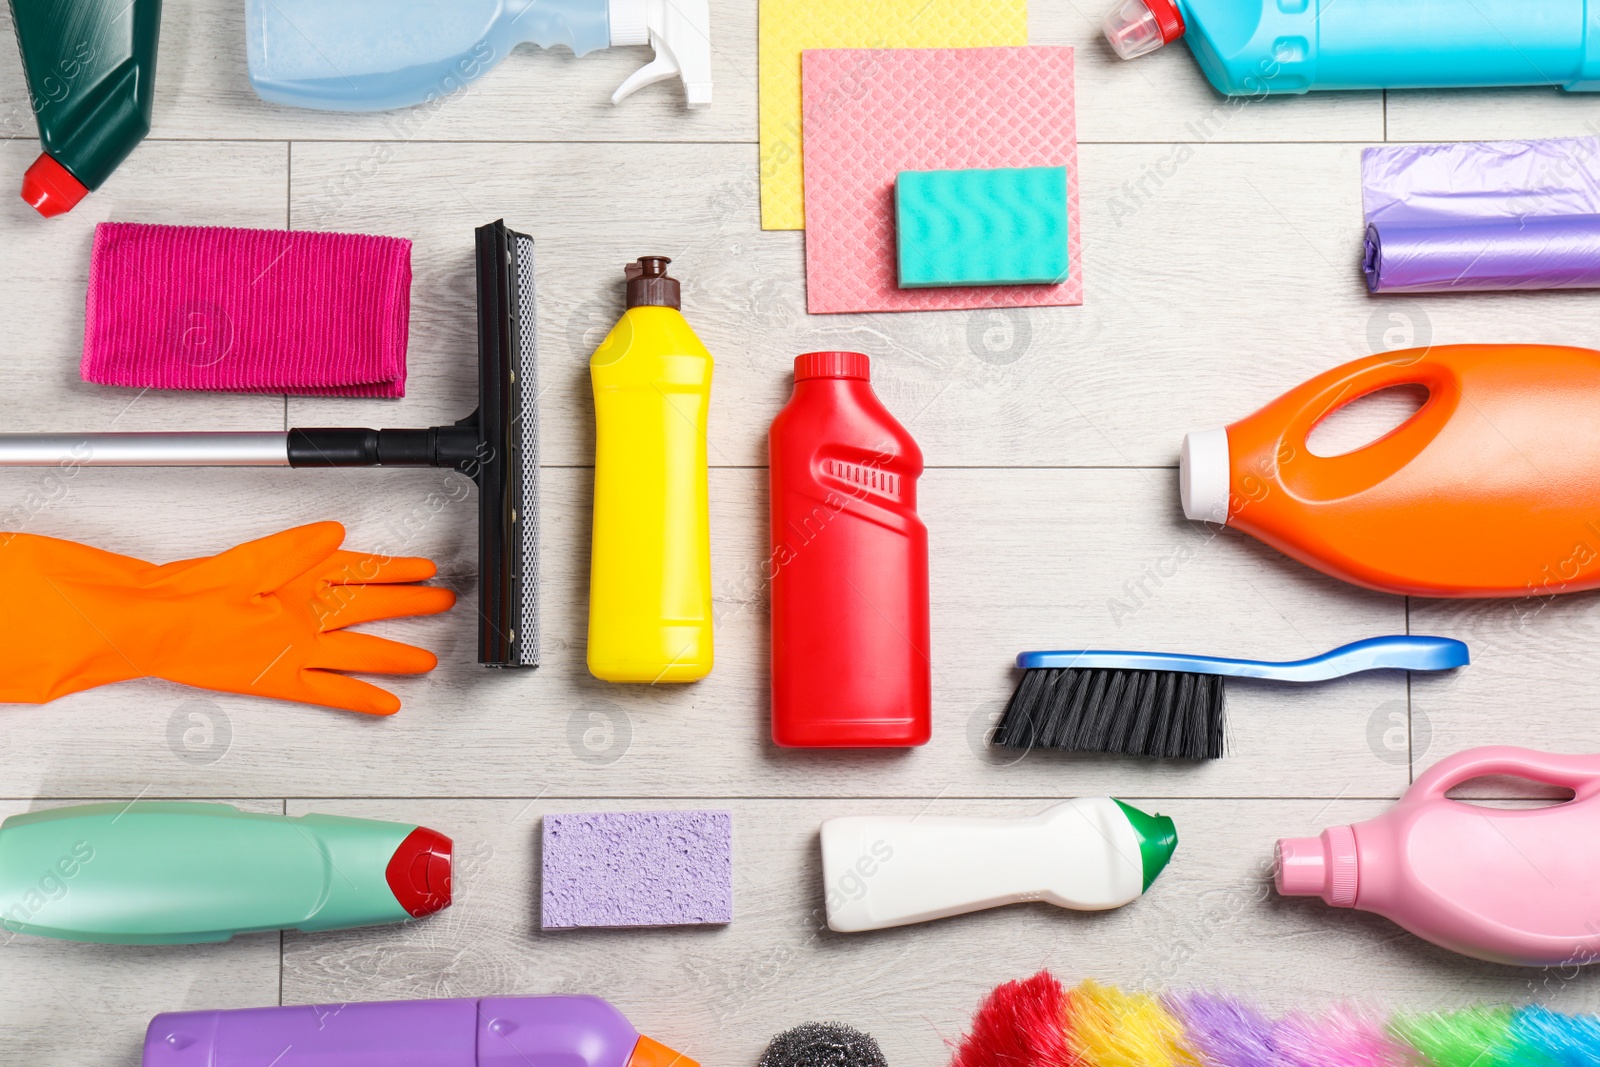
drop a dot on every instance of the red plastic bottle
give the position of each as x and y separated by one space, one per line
849 566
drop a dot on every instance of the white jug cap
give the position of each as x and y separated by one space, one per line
1204 475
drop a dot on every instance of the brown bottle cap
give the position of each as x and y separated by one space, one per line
649 286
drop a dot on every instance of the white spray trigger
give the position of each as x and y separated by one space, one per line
680 33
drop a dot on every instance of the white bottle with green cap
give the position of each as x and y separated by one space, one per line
1089 854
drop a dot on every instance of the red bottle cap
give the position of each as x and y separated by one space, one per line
832 365
1168 19
419 872
50 189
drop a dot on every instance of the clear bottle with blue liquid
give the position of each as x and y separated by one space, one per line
376 55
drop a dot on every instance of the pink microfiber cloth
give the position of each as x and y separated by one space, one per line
871 113
637 868
247 311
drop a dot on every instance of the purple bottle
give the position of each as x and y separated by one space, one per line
555 1031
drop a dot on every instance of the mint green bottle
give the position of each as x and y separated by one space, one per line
176 872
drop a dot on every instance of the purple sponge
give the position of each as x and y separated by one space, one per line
637 868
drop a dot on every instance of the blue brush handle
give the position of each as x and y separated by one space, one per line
1402 652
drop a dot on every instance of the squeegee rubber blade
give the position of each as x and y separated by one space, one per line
527 453
498 464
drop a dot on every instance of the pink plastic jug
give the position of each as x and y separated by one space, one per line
1510 886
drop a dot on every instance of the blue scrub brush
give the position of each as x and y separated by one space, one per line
1170 706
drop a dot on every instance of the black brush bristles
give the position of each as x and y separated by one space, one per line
1160 714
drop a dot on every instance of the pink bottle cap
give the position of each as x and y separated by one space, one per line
1319 866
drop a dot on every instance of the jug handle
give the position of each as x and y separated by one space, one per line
1581 774
1353 471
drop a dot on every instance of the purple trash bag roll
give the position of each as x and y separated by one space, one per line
1482 216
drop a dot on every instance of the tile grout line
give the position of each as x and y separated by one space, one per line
765 799
288 224
458 142
1411 749
282 963
926 467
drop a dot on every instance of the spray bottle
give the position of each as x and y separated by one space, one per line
91 68
553 1031
1257 47
375 55
650 570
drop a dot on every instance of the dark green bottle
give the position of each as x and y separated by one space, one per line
91 67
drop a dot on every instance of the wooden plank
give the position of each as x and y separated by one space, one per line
1491 114
1221 248
203 92
1184 325
1022 559
1164 98
44 274
1531 681
1211 922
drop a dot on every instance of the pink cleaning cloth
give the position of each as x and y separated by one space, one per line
247 311
870 113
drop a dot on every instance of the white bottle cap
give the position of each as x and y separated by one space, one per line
1204 475
628 22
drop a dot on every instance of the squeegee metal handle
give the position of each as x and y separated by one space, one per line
1404 652
203 449
339 446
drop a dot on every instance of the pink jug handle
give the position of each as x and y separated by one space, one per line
1581 774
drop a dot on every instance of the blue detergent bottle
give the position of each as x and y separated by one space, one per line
1255 47
375 55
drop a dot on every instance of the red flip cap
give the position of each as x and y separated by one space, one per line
419 872
50 189
1168 17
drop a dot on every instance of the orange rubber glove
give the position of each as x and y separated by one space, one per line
265 619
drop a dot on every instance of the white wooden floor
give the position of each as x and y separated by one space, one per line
1220 254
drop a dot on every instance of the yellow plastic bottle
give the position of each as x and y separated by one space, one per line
650 572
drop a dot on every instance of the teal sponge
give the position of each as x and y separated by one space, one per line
1006 226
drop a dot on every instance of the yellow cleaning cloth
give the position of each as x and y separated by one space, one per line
787 27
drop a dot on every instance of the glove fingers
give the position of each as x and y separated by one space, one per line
263 565
369 568
337 691
369 654
275 560
349 605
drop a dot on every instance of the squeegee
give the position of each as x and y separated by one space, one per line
496 446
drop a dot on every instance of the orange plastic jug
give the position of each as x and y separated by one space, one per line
1491 489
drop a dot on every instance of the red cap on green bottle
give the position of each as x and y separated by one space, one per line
50 189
